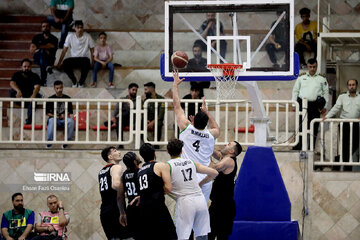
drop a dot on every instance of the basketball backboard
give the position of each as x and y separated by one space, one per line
243 31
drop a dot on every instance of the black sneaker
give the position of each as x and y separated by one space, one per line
64 146
28 122
49 70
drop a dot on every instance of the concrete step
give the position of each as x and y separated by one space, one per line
14 44
20 27
15 54
9 63
21 19
7 72
5 83
7 35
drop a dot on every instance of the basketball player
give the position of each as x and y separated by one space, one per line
130 184
191 207
222 209
198 141
154 182
109 181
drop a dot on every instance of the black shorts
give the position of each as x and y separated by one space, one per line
133 220
157 223
222 217
111 225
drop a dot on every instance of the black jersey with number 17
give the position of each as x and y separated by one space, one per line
108 194
151 185
131 183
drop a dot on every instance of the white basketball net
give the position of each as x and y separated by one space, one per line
226 76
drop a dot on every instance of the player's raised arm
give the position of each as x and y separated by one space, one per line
180 117
214 127
211 173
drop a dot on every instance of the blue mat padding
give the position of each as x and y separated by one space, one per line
260 193
261 230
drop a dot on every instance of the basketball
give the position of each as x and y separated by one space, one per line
179 59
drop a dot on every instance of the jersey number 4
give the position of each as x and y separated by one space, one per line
103 184
187 173
196 145
143 181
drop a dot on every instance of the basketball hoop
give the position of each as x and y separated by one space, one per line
226 76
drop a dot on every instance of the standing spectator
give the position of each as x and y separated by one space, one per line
348 105
60 114
222 209
79 43
208 28
150 93
103 55
129 184
154 182
44 46
276 40
18 222
52 224
194 94
315 89
61 17
305 35
25 84
126 111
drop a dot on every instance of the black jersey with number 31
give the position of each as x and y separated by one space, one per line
108 194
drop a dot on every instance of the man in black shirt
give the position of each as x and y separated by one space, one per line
198 63
154 182
61 119
129 184
44 46
109 182
25 84
222 209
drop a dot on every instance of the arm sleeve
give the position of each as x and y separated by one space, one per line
38 218
335 109
31 219
67 40
71 4
296 90
96 51
116 110
52 3
91 42
4 222
326 91
297 33
161 112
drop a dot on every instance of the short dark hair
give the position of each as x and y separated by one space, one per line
15 195
356 81
131 85
102 33
197 45
45 21
195 88
147 152
312 61
78 22
149 84
106 152
174 147
200 120
128 160
237 148
26 60
58 82
304 11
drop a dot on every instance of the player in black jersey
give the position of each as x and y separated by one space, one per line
109 182
154 182
222 209
129 184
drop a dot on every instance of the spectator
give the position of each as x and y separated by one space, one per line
194 94
44 46
52 224
315 89
125 114
103 55
150 93
25 84
305 35
348 105
79 43
198 63
60 114
61 17
18 222
208 28
276 40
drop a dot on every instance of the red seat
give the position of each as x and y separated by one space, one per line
36 127
251 129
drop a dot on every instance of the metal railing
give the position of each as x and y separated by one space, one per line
91 113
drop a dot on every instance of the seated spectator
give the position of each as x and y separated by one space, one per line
103 55
60 114
61 17
208 28
25 84
52 224
194 94
305 36
18 222
198 63
79 43
125 114
44 46
276 40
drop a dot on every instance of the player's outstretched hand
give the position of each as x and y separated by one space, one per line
176 77
203 106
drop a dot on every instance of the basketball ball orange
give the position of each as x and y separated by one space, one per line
179 59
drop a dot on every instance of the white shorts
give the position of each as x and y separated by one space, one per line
206 188
192 213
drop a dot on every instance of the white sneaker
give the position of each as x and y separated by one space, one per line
74 85
81 85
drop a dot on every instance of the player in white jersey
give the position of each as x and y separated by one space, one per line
198 141
191 207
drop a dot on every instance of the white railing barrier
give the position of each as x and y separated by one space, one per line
327 157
